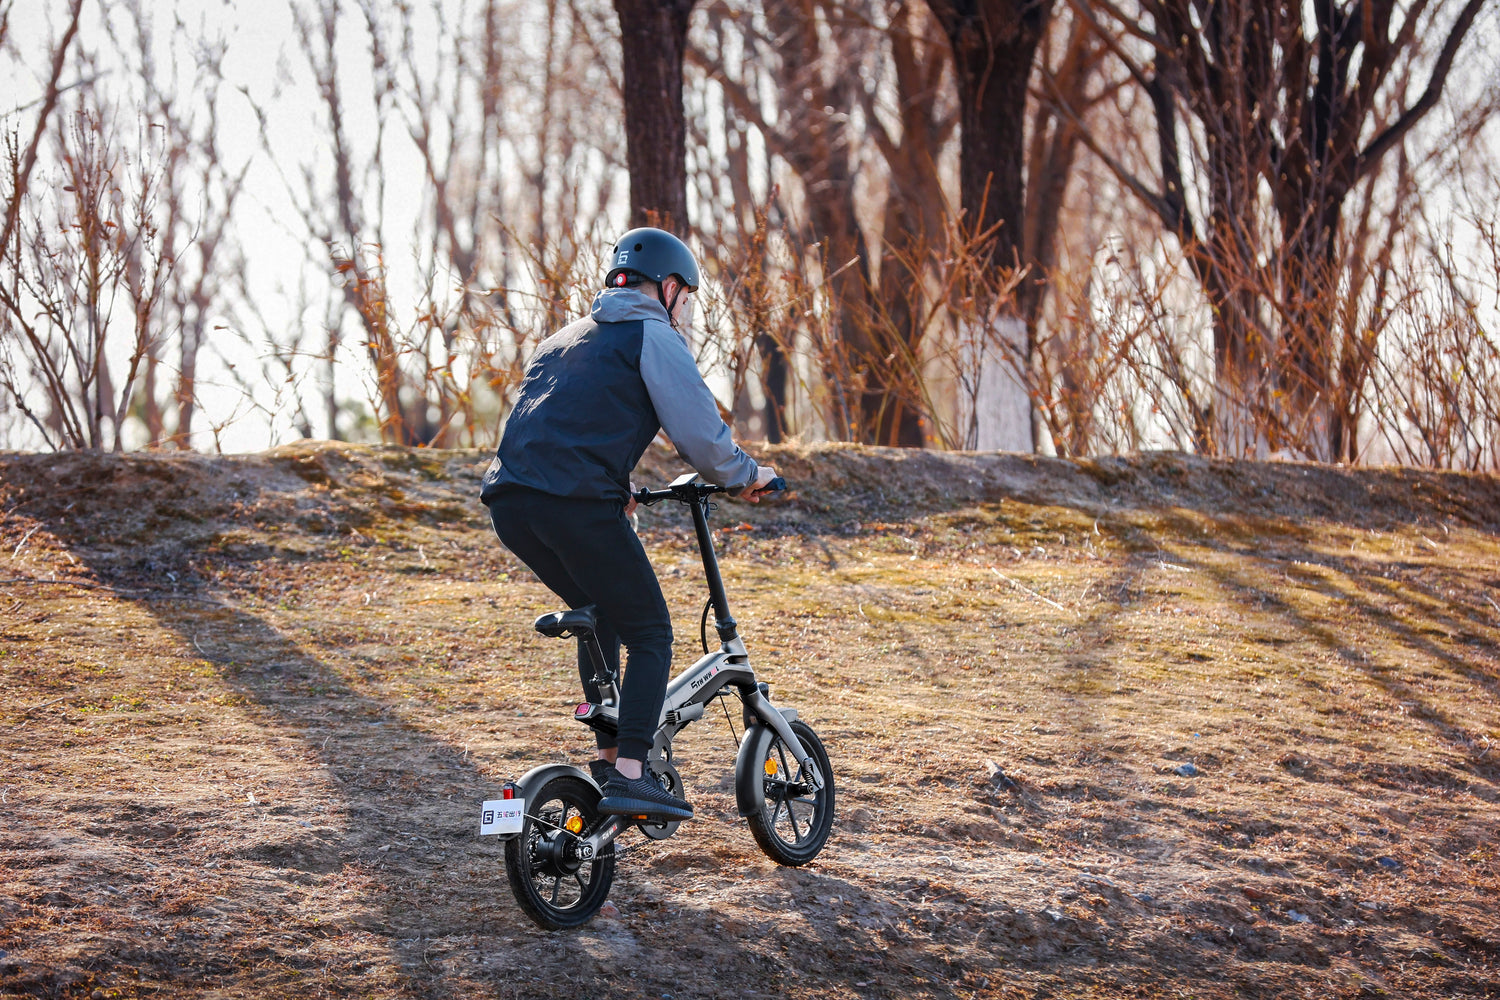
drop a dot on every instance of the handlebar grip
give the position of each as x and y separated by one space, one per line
776 485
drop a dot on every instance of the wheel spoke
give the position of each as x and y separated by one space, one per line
781 790
553 885
791 814
795 816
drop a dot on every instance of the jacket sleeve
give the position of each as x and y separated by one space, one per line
687 410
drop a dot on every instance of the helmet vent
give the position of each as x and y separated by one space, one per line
638 248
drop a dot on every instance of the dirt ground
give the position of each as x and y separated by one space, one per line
1151 727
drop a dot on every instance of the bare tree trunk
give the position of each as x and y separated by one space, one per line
994 43
1282 95
913 229
774 376
150 408
1312 178
330 391
815 142
653 36
187 375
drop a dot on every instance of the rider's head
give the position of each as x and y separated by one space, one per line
656 261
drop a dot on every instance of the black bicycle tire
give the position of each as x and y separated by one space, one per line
763 823
521 868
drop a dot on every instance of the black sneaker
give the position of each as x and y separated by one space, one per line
642 797
602 770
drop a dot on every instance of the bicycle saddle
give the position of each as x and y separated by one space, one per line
562 624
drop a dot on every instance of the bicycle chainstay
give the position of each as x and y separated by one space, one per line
619 851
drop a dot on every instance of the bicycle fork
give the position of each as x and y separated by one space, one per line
758 705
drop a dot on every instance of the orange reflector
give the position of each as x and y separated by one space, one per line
771 768
574 824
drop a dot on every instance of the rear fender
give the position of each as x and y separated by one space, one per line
534 779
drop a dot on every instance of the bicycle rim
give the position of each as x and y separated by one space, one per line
553 885
796 819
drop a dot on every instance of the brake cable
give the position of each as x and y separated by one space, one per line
732 732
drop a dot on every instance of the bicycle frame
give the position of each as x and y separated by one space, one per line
730 665
689 693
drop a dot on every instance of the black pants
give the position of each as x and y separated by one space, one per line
586 552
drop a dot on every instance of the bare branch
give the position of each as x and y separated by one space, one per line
21 178
1383 142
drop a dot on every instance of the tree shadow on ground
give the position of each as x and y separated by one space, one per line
365 796
1368 596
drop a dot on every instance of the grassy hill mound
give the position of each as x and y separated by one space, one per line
1135 726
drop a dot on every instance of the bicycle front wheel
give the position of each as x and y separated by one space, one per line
794 822
552 880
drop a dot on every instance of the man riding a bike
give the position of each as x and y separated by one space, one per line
594 396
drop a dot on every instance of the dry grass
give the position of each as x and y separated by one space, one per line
245 731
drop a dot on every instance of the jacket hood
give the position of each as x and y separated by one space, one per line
623 305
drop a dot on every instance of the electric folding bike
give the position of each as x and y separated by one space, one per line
560 850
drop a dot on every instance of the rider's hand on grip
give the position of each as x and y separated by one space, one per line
766 481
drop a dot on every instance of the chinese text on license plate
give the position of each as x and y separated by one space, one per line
502 816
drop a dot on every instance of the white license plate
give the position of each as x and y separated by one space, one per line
503 816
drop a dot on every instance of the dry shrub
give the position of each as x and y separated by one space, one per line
444 374
85 271
1435 400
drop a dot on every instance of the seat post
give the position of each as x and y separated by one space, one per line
579 623
604 678
590 642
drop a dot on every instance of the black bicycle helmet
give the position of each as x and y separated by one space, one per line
654 254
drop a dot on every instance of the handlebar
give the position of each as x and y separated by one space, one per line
688 490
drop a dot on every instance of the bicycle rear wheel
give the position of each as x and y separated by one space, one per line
556 886
796 818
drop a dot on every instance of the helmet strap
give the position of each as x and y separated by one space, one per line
668 306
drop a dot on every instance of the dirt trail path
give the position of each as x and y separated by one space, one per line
1141 727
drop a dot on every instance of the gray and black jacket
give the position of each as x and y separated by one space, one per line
596 393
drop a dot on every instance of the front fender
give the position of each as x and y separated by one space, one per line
749 776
